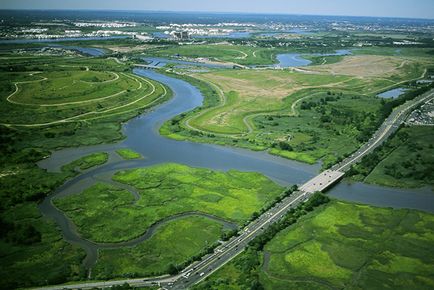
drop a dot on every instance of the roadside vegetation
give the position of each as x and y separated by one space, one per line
172 247
405 160
342 245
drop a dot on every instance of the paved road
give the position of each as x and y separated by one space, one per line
198 271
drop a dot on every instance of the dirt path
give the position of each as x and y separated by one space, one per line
9 98
74 118
244 55
247 120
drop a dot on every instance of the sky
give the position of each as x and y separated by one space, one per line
387 8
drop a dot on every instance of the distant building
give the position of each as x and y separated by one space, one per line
142 37
180 35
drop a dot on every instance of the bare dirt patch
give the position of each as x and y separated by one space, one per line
261 85
364 66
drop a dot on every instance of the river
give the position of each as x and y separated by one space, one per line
142 136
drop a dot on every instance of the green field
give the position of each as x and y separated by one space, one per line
42 115
321 112
239 54
35 254
102 211
108 213
341 246
172 246
71 92
128 154
30 244
406 160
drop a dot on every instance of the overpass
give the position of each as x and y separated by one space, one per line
226 251
322 181
147 66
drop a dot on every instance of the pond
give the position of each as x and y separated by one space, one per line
392 94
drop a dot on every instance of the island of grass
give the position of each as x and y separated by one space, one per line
128 154
110 213
342 245
86 162
405 160
165 190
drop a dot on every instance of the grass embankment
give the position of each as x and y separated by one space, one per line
307 116
342 245
128 154
31 245
165 190
405 160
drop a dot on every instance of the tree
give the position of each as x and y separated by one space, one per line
285 146
172 270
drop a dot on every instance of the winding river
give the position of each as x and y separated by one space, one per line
142 136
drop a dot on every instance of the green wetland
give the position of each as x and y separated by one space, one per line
316 249
340 245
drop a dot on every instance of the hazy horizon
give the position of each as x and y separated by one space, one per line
206 12
424 9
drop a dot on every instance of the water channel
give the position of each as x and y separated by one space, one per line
142 136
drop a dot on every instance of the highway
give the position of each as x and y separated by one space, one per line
226 251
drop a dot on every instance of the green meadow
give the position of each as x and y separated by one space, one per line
31 241
405 160
109 213
172 245
50 102
102 211
342 245
239 54
321 112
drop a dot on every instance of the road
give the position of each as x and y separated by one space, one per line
226 251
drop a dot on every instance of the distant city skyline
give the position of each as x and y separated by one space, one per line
373 8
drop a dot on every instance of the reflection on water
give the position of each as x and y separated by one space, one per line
422 199
142 136
392 94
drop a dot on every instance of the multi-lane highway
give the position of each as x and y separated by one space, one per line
198 271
